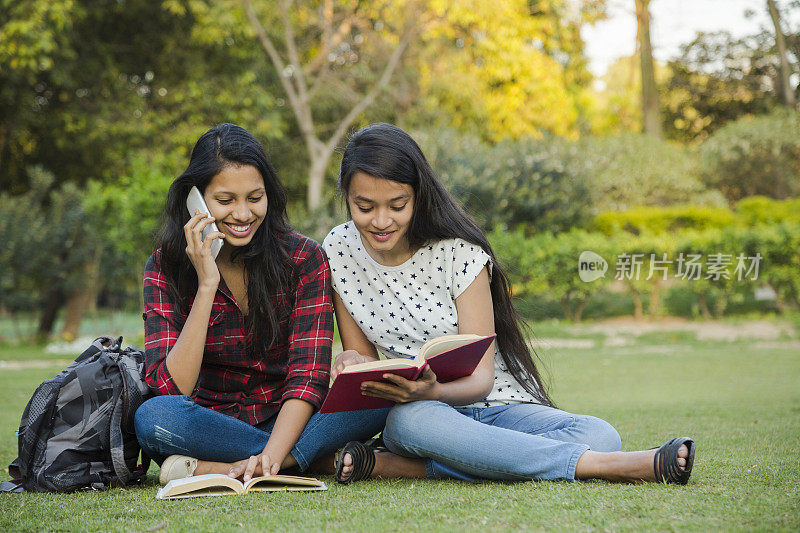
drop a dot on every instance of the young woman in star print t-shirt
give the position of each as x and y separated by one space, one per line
411 266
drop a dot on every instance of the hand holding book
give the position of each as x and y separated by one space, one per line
440 360
348 358
401 390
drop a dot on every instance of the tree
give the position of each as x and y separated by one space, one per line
506 69
785 86
754 156
717 79
315 41
47 262
651 121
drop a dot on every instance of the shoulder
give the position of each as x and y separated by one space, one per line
461 247
154 261
338 236
306 255
300 248
152 269
450 249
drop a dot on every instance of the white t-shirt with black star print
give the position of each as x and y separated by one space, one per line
401 307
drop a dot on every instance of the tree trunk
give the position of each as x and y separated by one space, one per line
316 176
78 301
567 310
785 72
650 120
719 306
50 308
702 303
579 309
655 294
638 314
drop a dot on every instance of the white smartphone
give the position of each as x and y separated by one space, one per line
195 202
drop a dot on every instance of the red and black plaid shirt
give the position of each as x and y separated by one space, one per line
236 377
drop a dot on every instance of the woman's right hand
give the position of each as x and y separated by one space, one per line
347 358
199 251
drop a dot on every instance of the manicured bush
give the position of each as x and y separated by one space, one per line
533 184
632 170
754 156
762 210
658 220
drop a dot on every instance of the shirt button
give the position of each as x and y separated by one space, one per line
235 408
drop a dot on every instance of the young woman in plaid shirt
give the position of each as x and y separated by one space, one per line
239 348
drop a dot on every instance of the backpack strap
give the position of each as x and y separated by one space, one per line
117 447
15 485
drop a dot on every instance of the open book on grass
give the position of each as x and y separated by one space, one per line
449 356
222 485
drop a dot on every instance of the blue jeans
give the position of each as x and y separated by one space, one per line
507 442
168 425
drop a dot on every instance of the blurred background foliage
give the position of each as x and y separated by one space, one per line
101 102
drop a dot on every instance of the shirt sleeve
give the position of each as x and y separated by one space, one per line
161 329
468 261
311 336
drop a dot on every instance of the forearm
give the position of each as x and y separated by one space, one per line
466 390
291 421
186 356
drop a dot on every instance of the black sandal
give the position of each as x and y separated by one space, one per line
363 461
665 462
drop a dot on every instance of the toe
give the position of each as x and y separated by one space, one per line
683 451
347 466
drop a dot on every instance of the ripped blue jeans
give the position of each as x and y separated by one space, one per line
169 425
513 442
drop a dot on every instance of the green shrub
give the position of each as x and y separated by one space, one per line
529 183
546 266
51 246
762 210
635 169
663 219
755 156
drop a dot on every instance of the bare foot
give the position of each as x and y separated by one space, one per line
631 467
388 465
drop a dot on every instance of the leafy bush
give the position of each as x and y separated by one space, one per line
51 246
762 210
663 219
755 156
634 170
546 266
132 207
528 183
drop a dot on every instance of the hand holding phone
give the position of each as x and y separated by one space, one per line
194 203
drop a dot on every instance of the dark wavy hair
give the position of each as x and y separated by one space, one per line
387 152
268 269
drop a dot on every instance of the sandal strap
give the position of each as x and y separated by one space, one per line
665 461
363 457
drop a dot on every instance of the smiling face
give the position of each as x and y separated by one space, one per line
381 211
238 201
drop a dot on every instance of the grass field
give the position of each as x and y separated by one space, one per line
739 400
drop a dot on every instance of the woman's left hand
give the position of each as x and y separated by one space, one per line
401 390
261 464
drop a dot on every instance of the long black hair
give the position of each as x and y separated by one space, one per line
268 269
387 152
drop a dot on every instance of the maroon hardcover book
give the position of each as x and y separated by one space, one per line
452 363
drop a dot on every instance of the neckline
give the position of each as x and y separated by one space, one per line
363 250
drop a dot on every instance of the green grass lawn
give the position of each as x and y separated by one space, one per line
739 401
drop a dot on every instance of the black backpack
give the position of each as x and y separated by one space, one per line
77 430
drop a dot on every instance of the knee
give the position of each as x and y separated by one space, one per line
602 437
404 418
152 413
